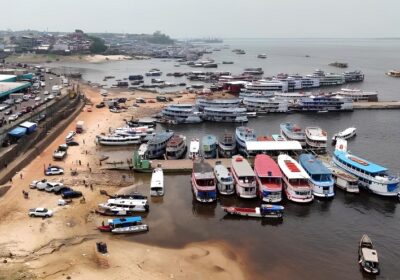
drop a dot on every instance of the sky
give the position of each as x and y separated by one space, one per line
209 18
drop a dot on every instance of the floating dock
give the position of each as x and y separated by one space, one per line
379 105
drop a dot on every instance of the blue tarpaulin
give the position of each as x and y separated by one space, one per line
17 132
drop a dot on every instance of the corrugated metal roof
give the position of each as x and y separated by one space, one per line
313 165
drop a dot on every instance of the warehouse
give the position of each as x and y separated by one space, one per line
6 88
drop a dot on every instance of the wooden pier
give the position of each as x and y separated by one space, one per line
379 105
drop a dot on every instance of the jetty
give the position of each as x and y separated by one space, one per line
379 105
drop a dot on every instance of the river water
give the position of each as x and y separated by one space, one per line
316 241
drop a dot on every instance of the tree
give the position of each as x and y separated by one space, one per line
160 38
97 46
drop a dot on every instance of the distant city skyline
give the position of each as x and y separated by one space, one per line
208 18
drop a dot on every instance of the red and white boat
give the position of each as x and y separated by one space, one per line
295 180
269 178
245 179
264 211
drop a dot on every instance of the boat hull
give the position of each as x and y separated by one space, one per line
131 229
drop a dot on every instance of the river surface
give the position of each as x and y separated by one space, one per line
373 56
315 241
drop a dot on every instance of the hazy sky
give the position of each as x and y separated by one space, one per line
204 18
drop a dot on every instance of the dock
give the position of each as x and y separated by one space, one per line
379 105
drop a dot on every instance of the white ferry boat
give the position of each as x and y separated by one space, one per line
176 147
295 180
227 145
263 105
316 139
266 86
225 182
181 113
125 204
292 96
235 115
157 144
323 103
194 149
253 71
372 176
243 134
118 140
217 103
328 79
358 95
157 182
153 72
344 180
244 176
345 134
293 132
353 76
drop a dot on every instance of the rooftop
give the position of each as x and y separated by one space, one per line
313 165
7 88
273 146
360 163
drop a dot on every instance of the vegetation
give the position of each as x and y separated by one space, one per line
97 46
160 38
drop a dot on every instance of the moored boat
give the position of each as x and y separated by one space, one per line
316 139
118 140
209 144
295 180
224 178
344 180
125 204
320 176
243 174
227 145
153 72
264 211
194 149
368 256
243 134
157 182
203 182
269 178
373 177
176 147
124 225
345 134
293 132
157 144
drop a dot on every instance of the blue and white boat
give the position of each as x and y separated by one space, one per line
209 144
243 134
181 113
372 176
157 144
203 182
293 132
320 176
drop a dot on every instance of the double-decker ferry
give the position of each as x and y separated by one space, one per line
295 180
243 134
202 103
269 178
181 113
266 86
265 105
320 176
157 144
235 115
323 103
358 95
316 139
203 182
244 177
293 132
225 181
227 145
209 144
373 177
353 76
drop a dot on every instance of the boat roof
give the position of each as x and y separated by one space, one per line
125 220
175 140
291 168
265 166
241 166
313 165
160 137
209 139
157 177
359 163
194 145
202 170
218 109
370 255
273 146
222 171
291 127
347 131
316 133
218 101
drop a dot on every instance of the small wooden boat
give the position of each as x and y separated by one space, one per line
264 211
368 256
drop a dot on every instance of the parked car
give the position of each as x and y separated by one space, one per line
72 143
53 170
26 97
37 98
40 212
101 105
40 118
70 136
8 112
13 117
4 106
18 100
35 182
52 185
60 190
46 92
71 194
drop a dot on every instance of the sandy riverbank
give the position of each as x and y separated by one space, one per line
63 246
47 58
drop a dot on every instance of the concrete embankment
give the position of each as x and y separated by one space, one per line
380 105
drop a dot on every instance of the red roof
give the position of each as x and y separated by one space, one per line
265 166
292 166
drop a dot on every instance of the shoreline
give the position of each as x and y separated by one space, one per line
48 58
63 245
